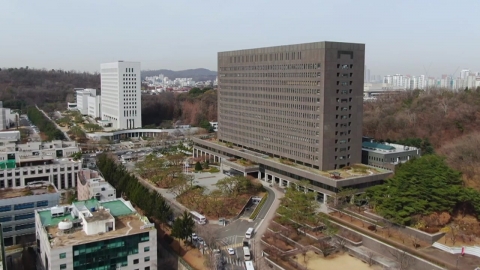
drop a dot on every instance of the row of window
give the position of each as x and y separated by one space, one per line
272 75
255 92
273 82
289 98
273 67
19 227
21 206
247 118
286 105
266 57
40 170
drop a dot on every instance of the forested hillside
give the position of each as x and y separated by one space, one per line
197 107
50 89
449 120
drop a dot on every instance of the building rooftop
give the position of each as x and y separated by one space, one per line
126 221
353 171
34 188
386 147
117 208
126 225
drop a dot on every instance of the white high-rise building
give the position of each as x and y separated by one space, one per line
464 73
121 94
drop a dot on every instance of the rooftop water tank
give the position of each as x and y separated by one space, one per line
65 225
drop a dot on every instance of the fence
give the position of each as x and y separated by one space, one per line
469 250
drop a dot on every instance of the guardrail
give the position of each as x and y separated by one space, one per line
469 250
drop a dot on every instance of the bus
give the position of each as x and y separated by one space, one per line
200 219
249 265
249 233
246 254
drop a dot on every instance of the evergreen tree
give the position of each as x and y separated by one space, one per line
183 226
198 166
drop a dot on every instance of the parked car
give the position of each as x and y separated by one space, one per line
231 251
194 237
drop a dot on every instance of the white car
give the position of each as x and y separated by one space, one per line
231 251
194 237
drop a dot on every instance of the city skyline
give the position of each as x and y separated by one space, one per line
52 35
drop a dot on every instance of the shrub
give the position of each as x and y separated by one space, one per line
372 228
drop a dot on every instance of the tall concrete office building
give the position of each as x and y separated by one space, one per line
121 94
299 102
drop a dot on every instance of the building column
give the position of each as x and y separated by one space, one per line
259 176
325 198
245 174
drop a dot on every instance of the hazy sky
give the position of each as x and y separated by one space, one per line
400 36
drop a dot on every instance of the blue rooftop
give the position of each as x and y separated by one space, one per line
381 146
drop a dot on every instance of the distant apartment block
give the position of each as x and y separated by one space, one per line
95 234
88 102
295 113
7 118
22 164
17 210
92 185
386 155
121 94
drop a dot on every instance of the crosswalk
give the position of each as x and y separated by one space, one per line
234 261
232 241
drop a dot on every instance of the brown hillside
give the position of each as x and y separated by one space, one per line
450 120
440 116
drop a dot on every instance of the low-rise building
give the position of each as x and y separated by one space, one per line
386 155
92 185
38 161
88 102
95 234
17 210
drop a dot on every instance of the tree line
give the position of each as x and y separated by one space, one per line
197 107
152 203
421 187
44 124
49 89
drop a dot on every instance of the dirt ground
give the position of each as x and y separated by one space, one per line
334 262
193 256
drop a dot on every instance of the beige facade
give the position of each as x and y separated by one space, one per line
299 102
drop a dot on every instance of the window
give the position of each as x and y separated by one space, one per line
5 208
63 255
63 266
146 259
5 219
7 229
135 261
42 203
147 268
23 206
24 216
146 249
24 226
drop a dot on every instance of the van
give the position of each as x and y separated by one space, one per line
249 233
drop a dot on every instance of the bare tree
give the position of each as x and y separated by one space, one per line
453 233
403 259
304 250
341 241
414 240
370 259
388 228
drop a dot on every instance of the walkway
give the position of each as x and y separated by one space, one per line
57 126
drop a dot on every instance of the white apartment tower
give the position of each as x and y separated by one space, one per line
121 89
